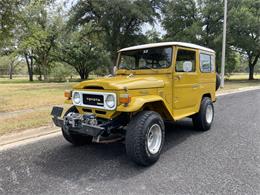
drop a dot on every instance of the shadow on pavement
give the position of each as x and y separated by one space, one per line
101 162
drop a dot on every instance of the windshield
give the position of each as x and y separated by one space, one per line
151 58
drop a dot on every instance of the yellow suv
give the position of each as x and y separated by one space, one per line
153 83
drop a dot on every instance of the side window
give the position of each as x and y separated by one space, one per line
212 63
185 61
207 63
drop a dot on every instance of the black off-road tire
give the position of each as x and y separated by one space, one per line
136 137
75 139
199 120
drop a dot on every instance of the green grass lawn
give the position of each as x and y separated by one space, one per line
241 76
30 104
25 104
235 84
31 95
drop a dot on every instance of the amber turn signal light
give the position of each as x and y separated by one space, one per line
68 94
124 98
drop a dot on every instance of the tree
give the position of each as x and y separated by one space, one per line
38 30
15 60
9 10
9 64
152 36
81 50
197 21
245 30
118 22
181 21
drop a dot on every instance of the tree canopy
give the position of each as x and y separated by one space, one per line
82 52
87 34
119 23
245 30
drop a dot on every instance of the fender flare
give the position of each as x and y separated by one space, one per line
138 102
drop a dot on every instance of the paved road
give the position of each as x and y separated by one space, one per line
225 160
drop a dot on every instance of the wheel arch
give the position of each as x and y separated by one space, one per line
150 102
159 107
206 95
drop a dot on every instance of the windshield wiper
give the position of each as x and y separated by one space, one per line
145 66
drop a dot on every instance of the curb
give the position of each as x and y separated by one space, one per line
11 138
239 90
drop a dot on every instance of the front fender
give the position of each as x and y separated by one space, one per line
68 101
138 102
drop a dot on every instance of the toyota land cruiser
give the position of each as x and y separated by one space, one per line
153 83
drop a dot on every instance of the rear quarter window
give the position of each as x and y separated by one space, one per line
207 63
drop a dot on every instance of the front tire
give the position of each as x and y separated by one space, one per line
75 139
203 120
145 136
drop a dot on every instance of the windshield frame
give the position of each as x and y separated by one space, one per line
145 69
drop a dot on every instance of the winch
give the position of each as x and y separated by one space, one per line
76 120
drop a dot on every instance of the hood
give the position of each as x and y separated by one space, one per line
121 82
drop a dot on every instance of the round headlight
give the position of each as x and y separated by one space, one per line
76 98
110 101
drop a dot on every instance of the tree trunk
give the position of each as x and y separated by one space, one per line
11 69
39 72
252 62
45 75
45 69
113 58
251 72
81 74
29 66
86 75
81 77
40 75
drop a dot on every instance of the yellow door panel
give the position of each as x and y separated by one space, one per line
186 86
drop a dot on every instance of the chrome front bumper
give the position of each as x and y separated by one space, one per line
78 126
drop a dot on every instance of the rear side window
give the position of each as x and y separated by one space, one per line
207 63
184 56
212 63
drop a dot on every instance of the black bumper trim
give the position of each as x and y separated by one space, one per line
83 129
87 129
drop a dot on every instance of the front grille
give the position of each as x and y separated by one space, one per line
93 100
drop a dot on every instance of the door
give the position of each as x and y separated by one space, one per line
185 82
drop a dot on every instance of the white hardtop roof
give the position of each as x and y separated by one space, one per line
182 44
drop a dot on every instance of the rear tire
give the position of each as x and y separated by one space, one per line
145 136
75 139
204 118
218 81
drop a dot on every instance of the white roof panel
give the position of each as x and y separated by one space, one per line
182 44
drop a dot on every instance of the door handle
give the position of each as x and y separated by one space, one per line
178 77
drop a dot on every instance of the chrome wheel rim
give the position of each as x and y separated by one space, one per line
154 139
209 114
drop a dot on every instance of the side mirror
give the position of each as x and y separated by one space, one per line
187 66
